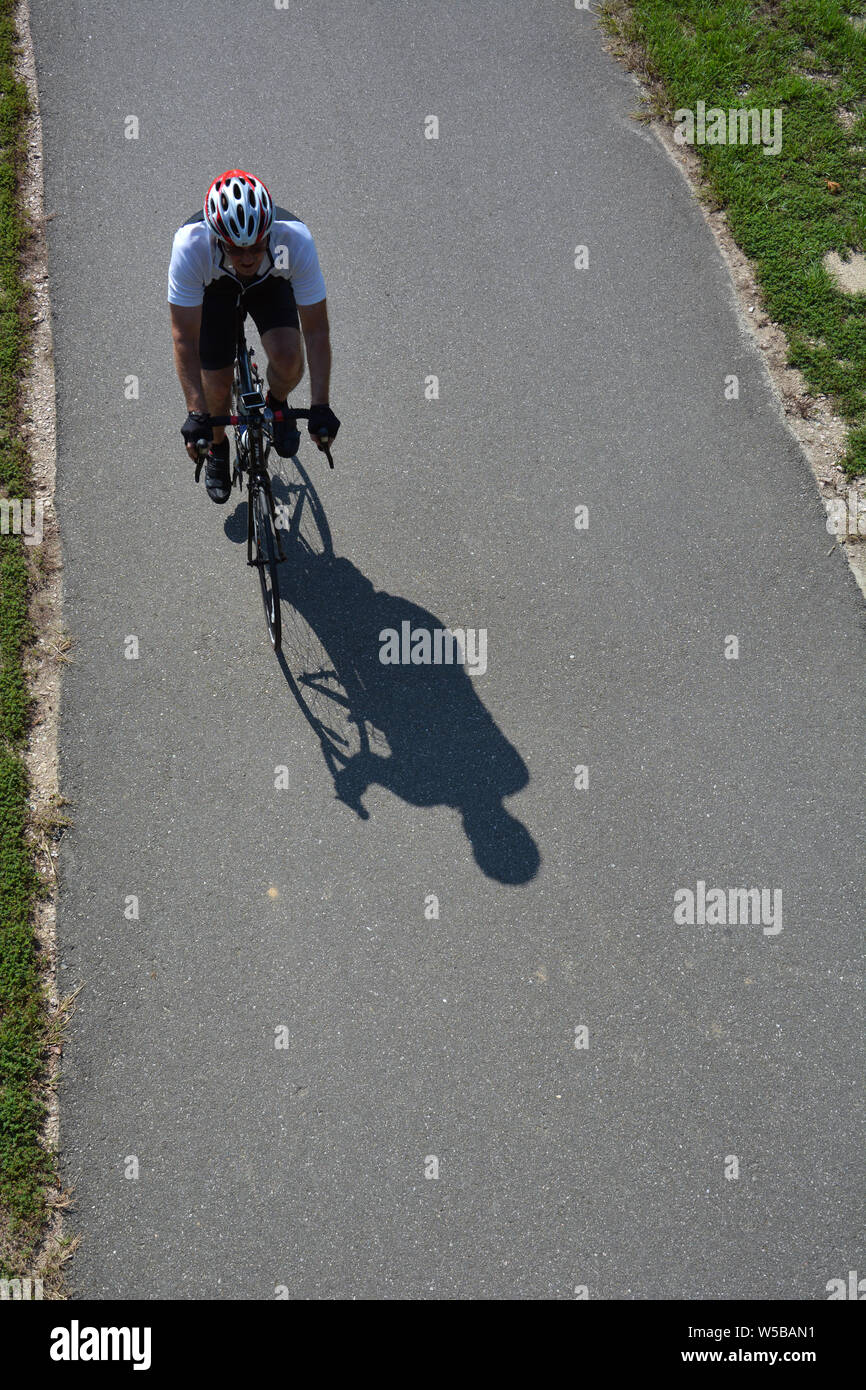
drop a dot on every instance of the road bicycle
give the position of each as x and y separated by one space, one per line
253 425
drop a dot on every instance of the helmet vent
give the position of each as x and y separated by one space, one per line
239 209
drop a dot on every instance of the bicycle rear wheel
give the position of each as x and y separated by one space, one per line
265 560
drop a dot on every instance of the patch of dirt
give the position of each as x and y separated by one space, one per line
849 275
48 655
829 79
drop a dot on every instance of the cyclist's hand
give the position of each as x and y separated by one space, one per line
321 418
196 426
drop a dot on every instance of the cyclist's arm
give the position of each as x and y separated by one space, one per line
317 337
185 325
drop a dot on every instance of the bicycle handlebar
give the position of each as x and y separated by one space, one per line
275 415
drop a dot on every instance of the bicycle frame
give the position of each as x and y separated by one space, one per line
253 441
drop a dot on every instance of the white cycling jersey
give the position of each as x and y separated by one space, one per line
197 259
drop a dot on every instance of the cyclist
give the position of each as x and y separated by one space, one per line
242 244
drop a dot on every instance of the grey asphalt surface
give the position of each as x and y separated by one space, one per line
409 1038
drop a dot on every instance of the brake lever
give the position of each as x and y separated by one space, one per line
324 448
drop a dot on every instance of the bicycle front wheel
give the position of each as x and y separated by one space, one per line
265 560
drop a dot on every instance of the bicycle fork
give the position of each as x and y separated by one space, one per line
260 482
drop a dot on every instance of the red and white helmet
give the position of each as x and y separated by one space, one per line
238 208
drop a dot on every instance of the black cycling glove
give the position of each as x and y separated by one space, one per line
197 425
322 417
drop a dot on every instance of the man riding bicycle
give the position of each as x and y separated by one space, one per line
240 244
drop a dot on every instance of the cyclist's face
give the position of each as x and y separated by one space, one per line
245 259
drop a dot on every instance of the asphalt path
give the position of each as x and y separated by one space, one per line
285 1039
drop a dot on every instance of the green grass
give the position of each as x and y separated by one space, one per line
26 1168
807 58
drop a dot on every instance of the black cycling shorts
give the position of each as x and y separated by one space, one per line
271 305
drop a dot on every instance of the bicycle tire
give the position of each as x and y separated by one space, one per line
265 560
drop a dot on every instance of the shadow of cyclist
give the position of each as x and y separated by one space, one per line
445 749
